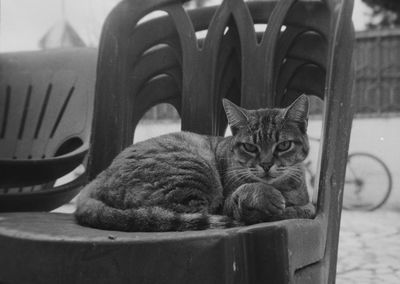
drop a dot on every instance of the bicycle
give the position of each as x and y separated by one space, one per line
368 181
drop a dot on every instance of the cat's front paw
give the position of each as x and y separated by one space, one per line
307 211
255 203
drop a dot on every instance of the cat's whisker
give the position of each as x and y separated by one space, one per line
295 176
231 170
288 173
237 176
242 177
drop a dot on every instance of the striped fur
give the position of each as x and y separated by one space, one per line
185 181
168 183
95 213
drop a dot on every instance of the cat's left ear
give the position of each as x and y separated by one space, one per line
237 116
298 110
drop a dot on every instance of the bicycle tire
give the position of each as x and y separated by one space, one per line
384 192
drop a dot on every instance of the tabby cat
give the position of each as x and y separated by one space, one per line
185 181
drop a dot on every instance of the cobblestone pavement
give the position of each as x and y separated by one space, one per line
369 247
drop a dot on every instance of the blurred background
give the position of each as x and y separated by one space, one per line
370 242
26 24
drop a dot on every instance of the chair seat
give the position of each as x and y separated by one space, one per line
52 248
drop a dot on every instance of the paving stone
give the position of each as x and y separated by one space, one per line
369 248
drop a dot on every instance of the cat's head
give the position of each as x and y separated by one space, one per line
267 143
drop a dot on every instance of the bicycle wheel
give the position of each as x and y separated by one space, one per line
368 182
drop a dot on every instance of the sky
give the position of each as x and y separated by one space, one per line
24 22
22 28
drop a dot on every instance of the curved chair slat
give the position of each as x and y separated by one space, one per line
42 199
17 173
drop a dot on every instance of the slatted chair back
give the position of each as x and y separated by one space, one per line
44 103
46 107
306 47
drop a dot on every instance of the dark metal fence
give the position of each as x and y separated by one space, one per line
377 80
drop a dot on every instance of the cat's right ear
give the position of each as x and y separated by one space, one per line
237 116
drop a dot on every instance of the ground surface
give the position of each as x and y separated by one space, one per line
369 249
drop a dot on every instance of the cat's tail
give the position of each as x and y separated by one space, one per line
94 213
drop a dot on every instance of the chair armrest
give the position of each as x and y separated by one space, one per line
16 173
42 200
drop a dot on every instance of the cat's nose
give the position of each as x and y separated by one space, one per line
266 166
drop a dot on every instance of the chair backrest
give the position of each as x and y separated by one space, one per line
305 48
46 102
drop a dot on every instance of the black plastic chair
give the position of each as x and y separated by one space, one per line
307 47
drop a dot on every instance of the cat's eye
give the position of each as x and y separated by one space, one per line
250 148
284 146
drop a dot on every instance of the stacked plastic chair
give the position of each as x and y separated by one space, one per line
46 108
